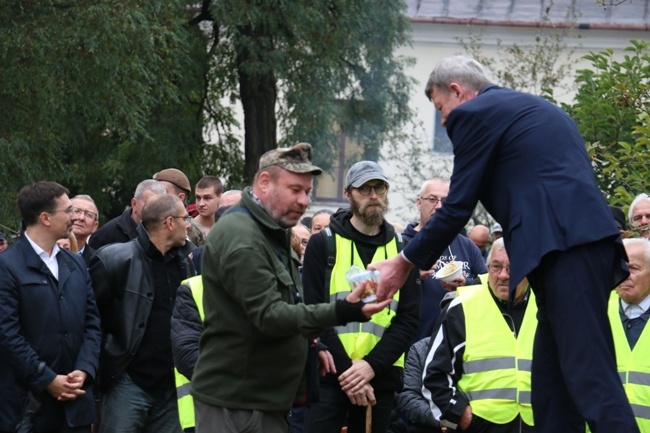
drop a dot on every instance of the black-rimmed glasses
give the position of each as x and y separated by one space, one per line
379 189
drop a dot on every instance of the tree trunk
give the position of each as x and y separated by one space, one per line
257 86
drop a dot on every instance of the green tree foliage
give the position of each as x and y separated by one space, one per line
302 68
612 109
98 95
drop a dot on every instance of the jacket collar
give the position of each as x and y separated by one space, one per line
150 249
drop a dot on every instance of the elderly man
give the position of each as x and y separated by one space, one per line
85 224
254 347
639 214
525 160
477 373
123 227
49 325
136 285
629 311
432 194
369 360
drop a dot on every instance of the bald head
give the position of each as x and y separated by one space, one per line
480 235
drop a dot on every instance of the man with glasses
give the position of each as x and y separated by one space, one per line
368 359
432 195
135 284
85 224
478 366
50 333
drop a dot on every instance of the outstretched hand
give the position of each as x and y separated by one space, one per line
369 308
392 274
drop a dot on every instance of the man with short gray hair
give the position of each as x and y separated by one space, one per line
639 214
135 284
123 227
524 159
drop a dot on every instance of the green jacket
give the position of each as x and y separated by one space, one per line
254 348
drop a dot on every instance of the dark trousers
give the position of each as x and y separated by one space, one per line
334 410
574 377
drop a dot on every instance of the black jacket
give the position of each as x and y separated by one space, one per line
398 335
123 284
48 326
186 331
119 229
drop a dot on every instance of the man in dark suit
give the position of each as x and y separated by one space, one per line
50 334
525 160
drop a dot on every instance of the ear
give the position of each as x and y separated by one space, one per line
264 181
133 202
346 193
45 219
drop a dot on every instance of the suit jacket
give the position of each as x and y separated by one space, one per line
47 327
87 254
525 160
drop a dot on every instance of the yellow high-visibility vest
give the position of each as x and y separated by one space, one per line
360 338
496 364
633 365
185 400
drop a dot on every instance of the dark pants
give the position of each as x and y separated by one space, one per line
574 377
334 410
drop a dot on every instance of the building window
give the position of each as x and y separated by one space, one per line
441 142
328 188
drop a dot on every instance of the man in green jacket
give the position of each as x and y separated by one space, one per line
254 348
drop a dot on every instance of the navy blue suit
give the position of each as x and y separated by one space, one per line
525 160
47 327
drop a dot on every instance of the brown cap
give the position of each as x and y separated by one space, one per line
175 177
296 159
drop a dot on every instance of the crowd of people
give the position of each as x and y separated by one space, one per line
238 314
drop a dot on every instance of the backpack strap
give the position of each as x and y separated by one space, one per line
330 245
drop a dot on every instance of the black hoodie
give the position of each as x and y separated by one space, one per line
398 335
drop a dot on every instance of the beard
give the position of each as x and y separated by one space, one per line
372 213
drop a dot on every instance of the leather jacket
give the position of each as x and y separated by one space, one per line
124 287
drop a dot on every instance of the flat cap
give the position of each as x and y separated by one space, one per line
176 177
496 228
296 159
362 172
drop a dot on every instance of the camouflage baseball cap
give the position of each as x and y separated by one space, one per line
296 159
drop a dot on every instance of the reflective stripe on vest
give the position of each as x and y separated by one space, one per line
185 401
633 365
359 339
496 365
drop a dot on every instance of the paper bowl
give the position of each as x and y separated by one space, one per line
450 271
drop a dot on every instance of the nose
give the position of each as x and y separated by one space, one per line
303 199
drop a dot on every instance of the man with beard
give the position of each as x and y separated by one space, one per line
369 358
253 353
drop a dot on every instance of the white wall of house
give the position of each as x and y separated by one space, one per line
434 41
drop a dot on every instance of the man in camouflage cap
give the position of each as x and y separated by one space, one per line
254 347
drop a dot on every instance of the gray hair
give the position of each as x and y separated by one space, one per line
497 245
152 185
158 208
435 179
637 199
641 242
459 69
